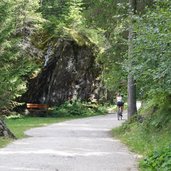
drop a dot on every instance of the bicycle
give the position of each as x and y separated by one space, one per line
119 113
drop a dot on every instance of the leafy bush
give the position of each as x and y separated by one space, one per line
158 160
15 116
78 108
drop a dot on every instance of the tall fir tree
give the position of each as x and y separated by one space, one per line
16 20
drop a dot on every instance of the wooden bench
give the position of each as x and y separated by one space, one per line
37 109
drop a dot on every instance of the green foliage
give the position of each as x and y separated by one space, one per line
68 20
15 116
54 9
158 160
111 16
102 24
152 62
78 108
21 18
15 63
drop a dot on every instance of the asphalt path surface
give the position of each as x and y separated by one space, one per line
76 145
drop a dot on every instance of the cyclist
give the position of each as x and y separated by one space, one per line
120 102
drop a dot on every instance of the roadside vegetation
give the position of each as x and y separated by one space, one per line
79 108
148 134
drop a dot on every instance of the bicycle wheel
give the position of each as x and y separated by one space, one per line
119 114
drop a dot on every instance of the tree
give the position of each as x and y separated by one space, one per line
16 26
151 49
15 64
132 109
111 22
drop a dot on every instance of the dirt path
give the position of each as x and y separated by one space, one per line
77 145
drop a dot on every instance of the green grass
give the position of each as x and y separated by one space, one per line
4 142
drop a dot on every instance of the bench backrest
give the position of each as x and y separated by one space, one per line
36 106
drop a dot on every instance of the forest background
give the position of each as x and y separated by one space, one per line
131 40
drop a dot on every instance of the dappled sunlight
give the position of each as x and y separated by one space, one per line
21 143
82 152
20 168
85 129
71 124
100 139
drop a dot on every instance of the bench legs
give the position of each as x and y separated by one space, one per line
36 112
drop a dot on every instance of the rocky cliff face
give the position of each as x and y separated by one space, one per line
69 72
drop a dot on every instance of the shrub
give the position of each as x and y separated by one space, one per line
78 108
158 160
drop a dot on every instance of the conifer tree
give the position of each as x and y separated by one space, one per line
16 20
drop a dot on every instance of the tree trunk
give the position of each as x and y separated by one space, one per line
132 109
4 131
135 7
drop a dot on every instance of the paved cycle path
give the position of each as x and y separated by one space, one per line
76 145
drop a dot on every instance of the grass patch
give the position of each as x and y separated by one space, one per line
4 141
150 138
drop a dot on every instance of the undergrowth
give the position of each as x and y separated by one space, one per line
78 108
150 136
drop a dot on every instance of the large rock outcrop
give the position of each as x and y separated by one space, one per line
70 72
